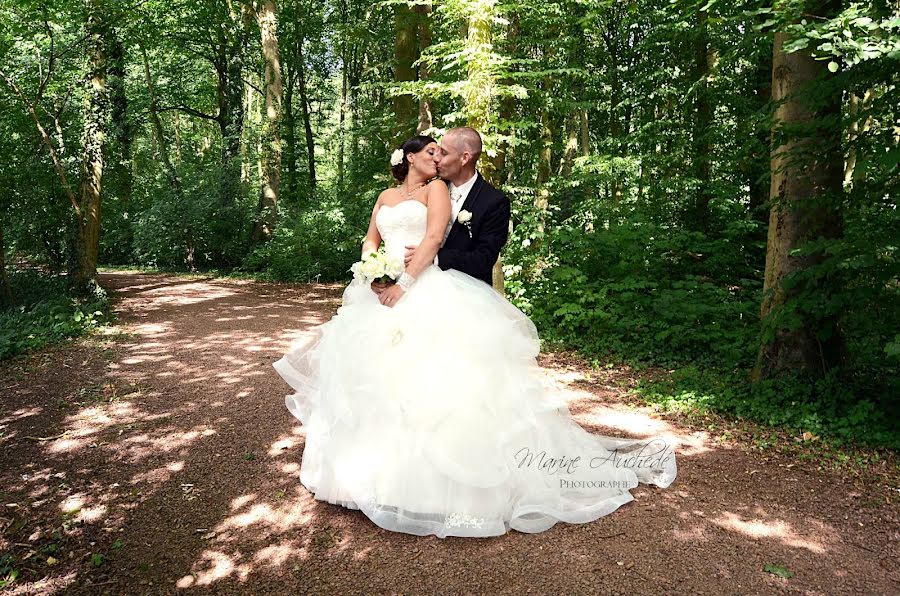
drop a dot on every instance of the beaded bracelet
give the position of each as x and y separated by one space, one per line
405 280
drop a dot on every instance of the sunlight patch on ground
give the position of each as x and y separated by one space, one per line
778 529
72 503
21 413
276 554
218 565
91 514
695 534
281 445
290 516
158 475
152 329
165 440
641 422
291 469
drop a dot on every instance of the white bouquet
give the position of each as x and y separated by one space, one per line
377 266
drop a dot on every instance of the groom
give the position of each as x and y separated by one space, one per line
479 217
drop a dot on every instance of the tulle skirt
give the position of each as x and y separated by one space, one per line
432 417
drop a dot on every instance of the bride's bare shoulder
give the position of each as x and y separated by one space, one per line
385 196
438 187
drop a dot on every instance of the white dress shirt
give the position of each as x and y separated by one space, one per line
458 195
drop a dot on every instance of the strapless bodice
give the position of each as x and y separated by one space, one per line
401 225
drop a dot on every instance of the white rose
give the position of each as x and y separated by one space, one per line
371 269
355 268
464 216
394 267
397 157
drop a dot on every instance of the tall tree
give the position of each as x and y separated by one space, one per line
702 125
426 105
307 119
120 125
805 189
6 295
267 16
480 88
406 52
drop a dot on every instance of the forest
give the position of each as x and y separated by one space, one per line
704 190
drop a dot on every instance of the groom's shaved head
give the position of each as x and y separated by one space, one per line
459 152
466 139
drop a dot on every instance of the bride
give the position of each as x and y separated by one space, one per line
423 404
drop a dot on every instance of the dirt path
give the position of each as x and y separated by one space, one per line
165 459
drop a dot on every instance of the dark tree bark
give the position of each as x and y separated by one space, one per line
307 124
702 125
120 157
426 107
288 130
806 185
88 217
6 295
406 52
267 16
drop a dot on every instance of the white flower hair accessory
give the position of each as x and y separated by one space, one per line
465 218
397 157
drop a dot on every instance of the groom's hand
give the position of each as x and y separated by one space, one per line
410 253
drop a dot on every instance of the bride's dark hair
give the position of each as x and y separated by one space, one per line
410 145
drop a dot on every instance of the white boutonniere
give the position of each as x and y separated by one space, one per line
465 218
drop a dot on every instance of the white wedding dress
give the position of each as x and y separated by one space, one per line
432 417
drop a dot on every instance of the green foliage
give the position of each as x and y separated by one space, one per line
778 570
644 292
44 313
829 406
317 245
8 573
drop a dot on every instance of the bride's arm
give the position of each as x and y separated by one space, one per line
438 216
373 238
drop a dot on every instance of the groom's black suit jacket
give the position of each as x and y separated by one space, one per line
490 228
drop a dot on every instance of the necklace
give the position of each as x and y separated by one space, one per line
409 193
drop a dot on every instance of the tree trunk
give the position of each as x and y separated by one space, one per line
160 135
545 157
478 91
307 124
615 98
806 181
758 178
289 158
95 115
571 148
342 126
426 107
702 125
269 136
231 108
502 163
851 174
6 296
585 133
120 166
405 54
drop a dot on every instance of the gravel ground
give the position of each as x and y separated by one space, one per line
160 458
